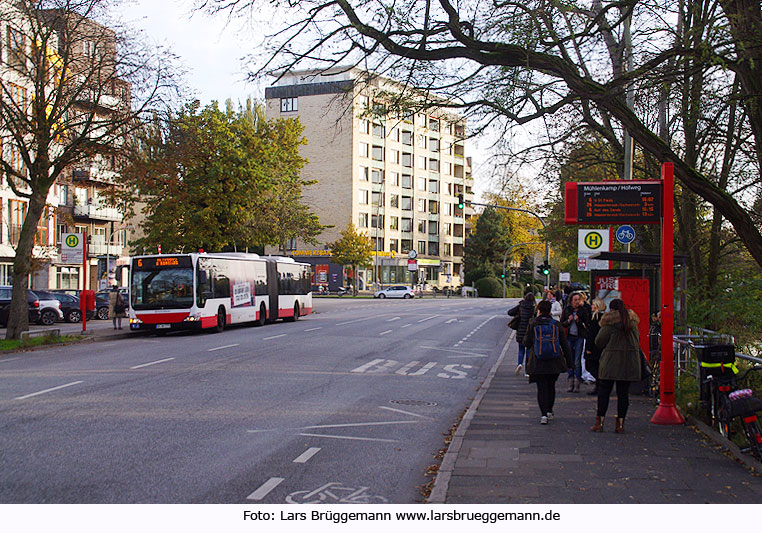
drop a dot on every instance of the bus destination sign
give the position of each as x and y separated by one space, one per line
164 261
614 202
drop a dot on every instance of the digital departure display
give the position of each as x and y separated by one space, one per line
168 261
635 202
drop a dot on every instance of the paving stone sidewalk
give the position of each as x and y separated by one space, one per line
507 456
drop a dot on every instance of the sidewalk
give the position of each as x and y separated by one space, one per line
502 454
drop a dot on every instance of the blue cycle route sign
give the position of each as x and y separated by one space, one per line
625 234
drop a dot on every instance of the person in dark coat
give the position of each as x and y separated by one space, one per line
525 310
545 372
575 318
592 352
619 341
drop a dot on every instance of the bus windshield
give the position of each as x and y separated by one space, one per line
170 288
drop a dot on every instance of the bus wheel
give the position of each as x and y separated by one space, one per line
220 321
296 311
262 316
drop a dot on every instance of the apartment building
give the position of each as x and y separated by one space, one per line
75 203
397 177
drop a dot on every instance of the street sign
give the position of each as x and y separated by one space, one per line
412 254
613 202
625 234
589 242
412 265
564 276
72 248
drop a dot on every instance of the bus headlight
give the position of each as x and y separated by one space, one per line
135 321
193 318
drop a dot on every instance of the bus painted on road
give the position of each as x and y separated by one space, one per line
210 291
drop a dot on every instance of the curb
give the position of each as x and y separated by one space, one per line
442 481
727 444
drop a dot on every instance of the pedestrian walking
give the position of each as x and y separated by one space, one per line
619 341
556 310
592 352
525 310
116 307
549 356
575 318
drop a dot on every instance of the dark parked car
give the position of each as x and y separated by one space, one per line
33 304
69 304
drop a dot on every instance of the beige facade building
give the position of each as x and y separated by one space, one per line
396 177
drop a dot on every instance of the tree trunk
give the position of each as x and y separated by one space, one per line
18 317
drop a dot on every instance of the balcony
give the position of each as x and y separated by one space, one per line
94 174
457 240
97 246
97 212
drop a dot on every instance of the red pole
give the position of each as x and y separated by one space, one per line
84 283
667 413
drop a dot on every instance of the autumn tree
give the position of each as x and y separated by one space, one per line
74 84
486 245
212 179
352 248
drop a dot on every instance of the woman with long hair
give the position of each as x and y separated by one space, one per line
592 352
525 310
619 342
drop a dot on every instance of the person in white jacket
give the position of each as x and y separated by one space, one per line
555 307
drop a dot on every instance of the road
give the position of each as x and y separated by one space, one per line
347 405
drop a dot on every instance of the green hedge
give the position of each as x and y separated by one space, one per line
489 288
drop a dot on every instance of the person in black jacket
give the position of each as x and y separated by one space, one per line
525 310
592 352
543 371
575 318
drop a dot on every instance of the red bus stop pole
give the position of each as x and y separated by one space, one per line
667 413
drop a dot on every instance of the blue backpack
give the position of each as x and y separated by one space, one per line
547 343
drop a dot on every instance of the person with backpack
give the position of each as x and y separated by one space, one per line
549 356
525 310
619 342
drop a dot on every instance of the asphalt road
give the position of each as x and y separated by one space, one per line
347 405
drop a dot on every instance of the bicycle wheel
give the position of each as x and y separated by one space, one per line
654 388
723 414
753 434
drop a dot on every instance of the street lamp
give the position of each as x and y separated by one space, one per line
108 242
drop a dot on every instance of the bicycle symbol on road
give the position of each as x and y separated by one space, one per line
334 493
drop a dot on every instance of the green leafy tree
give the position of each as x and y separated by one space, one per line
352 248
219 179
485 246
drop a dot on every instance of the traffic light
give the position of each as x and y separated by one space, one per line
502 275
460 201
543 269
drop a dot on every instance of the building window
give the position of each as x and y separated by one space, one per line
433 186
16 48
407 224
448 169
421 247
364 150
421 141
363 221
407 138
365 126
6 274
407 159
288 105
449 189
447 249
421 184
422 162
407 181
363 197
377 175
363 173
406 245
447 228
422 226
422 120
377 199
393 245
18 96
394 223
394 200
43 228
378 153
433 144
378 131
378 245
434 165
395 136
433 207
377 221
63 195
433 228
421 205
16 214
394 177
448 209
407 203
433 248
433 124
394 156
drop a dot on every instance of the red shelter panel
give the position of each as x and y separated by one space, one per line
634 292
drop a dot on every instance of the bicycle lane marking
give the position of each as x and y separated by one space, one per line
265 488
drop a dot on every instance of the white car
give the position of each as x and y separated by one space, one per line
397 291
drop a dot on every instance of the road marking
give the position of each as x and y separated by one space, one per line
386 332
307 455
393 319
6 360
49 390
472 353
368 366
401 411
274 337
429 318
265 489
421 371
345 437
358 320
313 329
451 321
222 347
152 363
406 326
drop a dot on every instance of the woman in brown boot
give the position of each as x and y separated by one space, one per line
619 342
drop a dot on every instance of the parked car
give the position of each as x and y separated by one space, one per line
69 304
33 304
396 291
102 302
50 308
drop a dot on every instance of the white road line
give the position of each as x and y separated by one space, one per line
307 455
313 329
360 424
274 337
223 347
386 332
406 326
48 390
359 320
6 360
152 363
345 437
429 318
393 319
453 351
401 411
265 489
451 321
